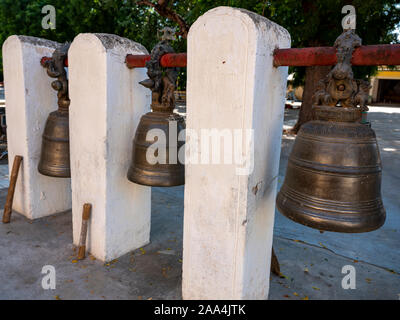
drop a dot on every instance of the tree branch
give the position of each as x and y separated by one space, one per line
163 10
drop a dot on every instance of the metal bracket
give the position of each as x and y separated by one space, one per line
161 80
55 69
339 86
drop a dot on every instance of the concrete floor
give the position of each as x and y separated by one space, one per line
311 262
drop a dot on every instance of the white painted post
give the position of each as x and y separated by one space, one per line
106 105
229 215
29 100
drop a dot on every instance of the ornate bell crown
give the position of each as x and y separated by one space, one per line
339 87
55 69
161 81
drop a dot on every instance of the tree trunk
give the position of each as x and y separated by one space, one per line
313 75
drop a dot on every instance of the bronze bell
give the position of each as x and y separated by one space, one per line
54 158
143 170
333 178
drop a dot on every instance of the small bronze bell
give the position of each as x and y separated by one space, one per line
333 178
54 159
162 119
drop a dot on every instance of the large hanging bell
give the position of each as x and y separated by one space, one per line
155 160
167 174
54 159
333 178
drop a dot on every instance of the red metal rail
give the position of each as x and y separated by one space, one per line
167 60
386 54
383 54
44 59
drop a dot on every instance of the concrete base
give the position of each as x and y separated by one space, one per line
30 98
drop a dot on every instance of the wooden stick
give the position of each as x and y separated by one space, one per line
87 207
275 268
11 189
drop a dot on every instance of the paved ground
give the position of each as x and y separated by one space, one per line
311 262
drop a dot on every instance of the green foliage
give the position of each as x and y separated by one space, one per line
310 22
318 23
124 18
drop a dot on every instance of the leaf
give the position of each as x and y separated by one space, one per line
315 288
74 261
322 245
305 298
281 275
296 294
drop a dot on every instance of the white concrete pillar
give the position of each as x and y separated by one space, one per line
229 214
106 105
29 100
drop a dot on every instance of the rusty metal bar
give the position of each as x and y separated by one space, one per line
167 60
317 56
136 60
384 54
375 55
44 59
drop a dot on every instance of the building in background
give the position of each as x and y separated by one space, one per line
385 86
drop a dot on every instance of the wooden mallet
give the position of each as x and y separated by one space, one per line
11 189
87 208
